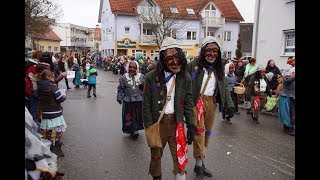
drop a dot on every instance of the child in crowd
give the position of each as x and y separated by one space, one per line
92 80
50 99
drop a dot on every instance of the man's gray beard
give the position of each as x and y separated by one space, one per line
211 61
175 71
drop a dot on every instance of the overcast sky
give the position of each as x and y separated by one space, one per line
86 12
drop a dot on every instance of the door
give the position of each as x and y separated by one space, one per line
122 52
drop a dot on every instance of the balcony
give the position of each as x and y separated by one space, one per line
147 19
213 22
147 40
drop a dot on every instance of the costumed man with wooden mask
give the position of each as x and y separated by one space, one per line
169 82
207 92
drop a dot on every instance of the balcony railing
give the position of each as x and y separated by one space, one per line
147 19
213 22
147 40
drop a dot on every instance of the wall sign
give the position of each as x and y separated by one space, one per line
126 42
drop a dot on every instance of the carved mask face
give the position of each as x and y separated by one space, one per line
211 52
171 61
132 68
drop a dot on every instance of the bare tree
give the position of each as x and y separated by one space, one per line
39 15
239 49
161 24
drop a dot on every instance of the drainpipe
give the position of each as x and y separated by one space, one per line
255 27
115 34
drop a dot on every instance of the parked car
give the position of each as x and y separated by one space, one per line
245 59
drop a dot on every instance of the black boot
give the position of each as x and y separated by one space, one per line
206 172
228 121
56 148
256 120
292 132
135 135
199 172
157 177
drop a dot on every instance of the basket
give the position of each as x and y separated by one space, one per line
239 89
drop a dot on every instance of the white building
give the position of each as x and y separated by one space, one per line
75 37
123 33
274 31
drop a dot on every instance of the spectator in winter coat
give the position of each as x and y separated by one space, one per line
271 67
239 70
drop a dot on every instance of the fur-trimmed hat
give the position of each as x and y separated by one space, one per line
168 43
210 39
260 67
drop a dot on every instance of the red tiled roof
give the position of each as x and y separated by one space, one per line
124 6
48 35
227 7
229 10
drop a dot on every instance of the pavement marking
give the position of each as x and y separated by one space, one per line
280 162
275 166
267 162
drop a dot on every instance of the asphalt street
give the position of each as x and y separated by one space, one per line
96 149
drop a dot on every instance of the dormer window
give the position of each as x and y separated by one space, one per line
210 7
174 10
146 8
190 11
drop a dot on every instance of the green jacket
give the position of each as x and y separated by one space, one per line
154 98
222 93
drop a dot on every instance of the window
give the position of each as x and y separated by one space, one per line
191 35
227 36
210 33
227 54
147 32
41 48
127 30
289 46
210 13
138 54
49 48
289 1
173 33
154 54
146 9
190 11
210 7
55 49
174 10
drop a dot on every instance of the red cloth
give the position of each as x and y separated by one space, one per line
28 83
199 107
200 130
256 102
182 148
